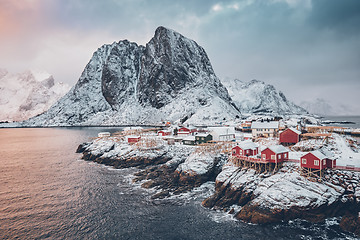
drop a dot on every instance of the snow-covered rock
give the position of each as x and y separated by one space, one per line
285 195
260 98
257 197
198 163
27 94
170 78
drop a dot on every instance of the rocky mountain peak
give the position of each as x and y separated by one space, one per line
171 64
255 81
3 72
257 96
171 78
26 94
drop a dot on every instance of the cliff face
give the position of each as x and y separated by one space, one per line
120 73
169 79
174 65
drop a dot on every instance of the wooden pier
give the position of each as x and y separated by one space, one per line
260 165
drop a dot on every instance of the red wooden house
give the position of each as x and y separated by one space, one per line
275 154
133 139
289 136
245 149
164 132
316 160
186 131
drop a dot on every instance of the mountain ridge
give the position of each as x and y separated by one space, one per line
258 97
27 94
171 78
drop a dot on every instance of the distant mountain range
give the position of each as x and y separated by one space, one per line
27 94
322 107
260 98
169 79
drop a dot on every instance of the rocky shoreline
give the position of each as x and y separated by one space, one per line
159 167
266 199
254 197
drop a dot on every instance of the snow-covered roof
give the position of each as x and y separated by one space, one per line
202 134
167 130
294 130
278 149
104 134
326 152
189 138
132 128
271 124
318 154
222 130
132 136
247 145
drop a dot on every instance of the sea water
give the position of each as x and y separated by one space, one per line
354 119
48 192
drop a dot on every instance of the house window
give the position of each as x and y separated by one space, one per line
264 156
241 152
316 162
324 162
247 151
285 155
234 151
303 161
273 157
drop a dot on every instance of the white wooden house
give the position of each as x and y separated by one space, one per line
222 133
265 129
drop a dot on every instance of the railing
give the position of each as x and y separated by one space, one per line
252 159
292 160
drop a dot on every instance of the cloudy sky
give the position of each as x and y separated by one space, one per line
307 48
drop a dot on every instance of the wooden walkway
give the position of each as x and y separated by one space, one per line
252 159
260 165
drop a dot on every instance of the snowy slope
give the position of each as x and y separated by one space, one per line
170 78
258 97
283 190
27 94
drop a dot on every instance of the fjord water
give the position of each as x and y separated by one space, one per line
47 192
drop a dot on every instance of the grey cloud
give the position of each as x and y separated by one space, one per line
342 16
293 47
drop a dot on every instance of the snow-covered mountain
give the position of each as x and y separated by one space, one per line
322 107
27 94
261 98
170 78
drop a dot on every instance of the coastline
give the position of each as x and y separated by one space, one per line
179 169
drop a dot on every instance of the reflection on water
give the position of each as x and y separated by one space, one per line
46 191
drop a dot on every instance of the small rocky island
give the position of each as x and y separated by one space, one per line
251 195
